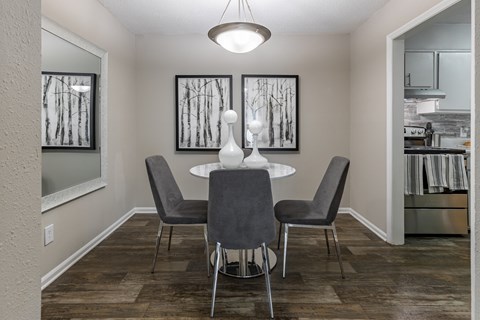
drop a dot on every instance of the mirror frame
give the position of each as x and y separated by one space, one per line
58 198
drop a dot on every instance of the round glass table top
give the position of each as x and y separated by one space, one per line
276 170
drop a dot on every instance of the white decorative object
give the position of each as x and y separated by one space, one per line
255 160
231 156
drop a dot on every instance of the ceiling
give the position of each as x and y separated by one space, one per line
182 17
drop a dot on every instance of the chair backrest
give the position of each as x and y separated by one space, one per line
329 193
240 208
166 193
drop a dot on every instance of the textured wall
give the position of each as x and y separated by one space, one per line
322 63
368 106
79 221
19 159
475 223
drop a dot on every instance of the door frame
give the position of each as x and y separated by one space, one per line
395 65
395 118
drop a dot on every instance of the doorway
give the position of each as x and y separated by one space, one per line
395 123
448 16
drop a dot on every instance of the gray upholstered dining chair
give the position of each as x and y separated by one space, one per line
318 213
172 209
240 216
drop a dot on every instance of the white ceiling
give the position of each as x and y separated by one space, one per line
176 17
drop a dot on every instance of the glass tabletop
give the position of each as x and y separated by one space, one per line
276 170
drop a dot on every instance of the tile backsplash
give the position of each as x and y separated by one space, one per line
446 124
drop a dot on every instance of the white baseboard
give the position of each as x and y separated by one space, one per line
379 232
67 263
145 210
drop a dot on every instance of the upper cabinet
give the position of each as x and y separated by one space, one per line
437 56
454 79
419 69
446 70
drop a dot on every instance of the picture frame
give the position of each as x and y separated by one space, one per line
200 101
68 110
272 99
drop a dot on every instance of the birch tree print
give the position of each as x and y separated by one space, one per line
201 101
273 100
67 110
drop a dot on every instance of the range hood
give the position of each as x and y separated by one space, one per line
418 93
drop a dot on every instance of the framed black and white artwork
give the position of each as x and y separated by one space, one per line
200 104
273 100
68 110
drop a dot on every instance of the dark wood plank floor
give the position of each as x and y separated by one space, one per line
428 278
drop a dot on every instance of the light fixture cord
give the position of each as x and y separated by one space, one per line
249 10
240 3
241 7
223 14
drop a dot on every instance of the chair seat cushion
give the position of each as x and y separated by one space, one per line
299 212
188 212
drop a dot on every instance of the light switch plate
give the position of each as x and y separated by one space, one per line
48 237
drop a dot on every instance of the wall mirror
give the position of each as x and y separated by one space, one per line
74 105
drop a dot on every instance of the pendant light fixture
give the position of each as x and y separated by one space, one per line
240 36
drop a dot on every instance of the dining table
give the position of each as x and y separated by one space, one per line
244 263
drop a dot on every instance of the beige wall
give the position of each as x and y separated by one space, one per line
79 221
322 63
368 106
20 159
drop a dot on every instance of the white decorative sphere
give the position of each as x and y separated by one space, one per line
255 126
230 116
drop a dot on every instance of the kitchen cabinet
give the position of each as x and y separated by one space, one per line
454 79
446 70
420 69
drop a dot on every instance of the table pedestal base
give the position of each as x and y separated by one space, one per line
243 263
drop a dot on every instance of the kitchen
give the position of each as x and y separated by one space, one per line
437 124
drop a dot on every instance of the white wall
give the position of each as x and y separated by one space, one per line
20 159
79 221
368 106
322 63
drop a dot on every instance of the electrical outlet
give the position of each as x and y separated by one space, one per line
48 234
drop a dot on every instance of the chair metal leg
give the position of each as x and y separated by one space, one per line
326 240
285 240
268 261
279 236
170 237
215 277
337 249
157 245
266 270
224 260
207 251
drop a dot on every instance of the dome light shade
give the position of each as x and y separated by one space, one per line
239 37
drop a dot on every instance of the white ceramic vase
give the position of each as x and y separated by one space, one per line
255 160
231 156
